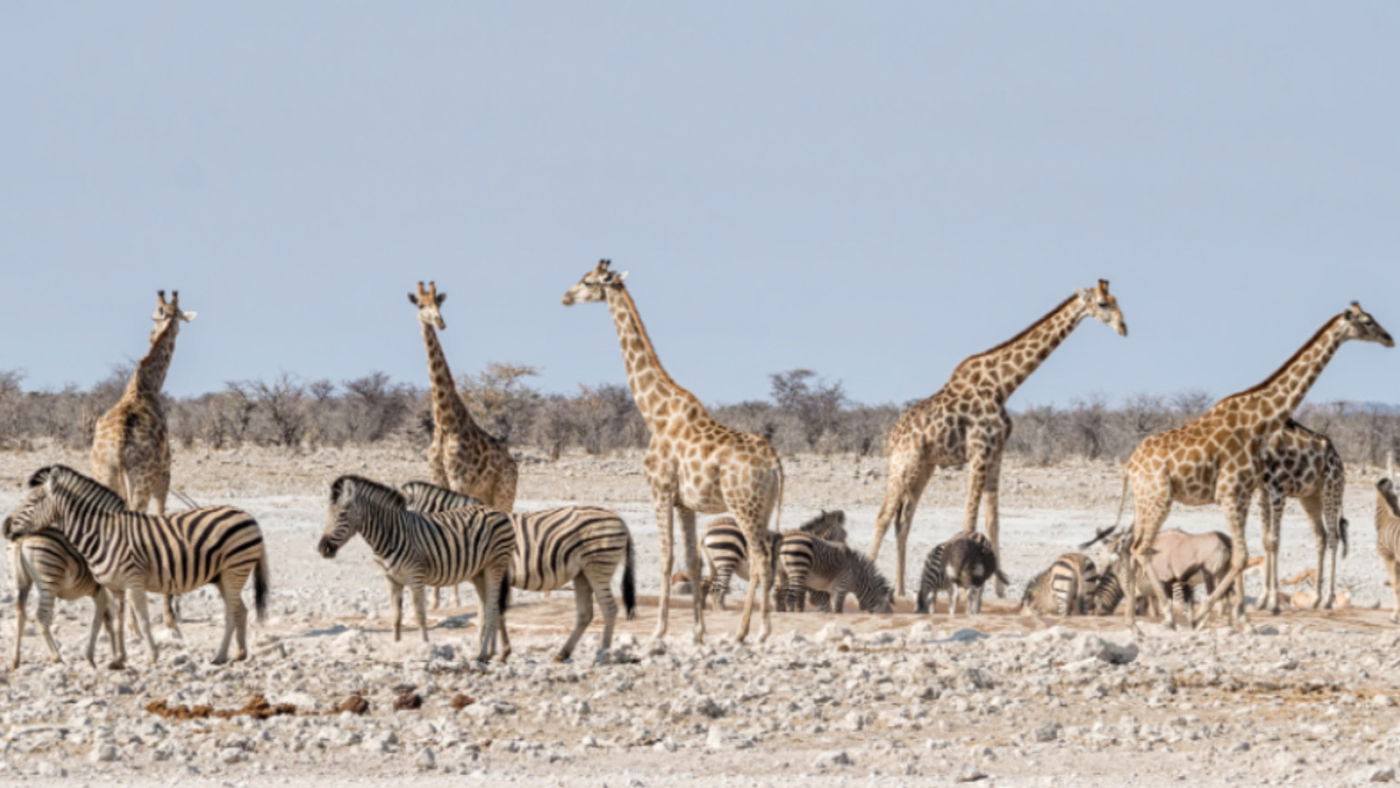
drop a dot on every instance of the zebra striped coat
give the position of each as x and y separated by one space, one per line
1066 588
418 550
727 550
962 564
48 560
815 564
582 545
131 553
1388 537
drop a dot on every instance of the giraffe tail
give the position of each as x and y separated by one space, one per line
1122 500
1342 533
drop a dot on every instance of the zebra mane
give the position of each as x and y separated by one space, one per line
825 524
350 484
85 487
419 494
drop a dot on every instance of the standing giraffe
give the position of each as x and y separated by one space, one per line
1219 455
462 457
1303 464
693 463
966 422
130 447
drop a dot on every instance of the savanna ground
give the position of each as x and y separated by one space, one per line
1305 697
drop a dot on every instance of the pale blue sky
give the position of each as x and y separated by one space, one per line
873 190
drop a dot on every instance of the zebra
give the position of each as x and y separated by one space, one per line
418 550
48 560
425 498
963 563
1066 588
131 553
812 563
578 544
1388 537
727 550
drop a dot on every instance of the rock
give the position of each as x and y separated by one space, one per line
1050 731
408 701
355 704
970 774
232 755
104 753
425 759
1384 701
1093 646
832 633
832 758
1377 774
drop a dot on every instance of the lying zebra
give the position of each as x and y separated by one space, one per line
579 544
131 553
961 566
48 560
727 551
1066 588
815 564
418 550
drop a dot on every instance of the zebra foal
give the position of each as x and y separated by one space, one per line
579 544
815 564
727 551
130 553
48 560
961 566
418 550
1388 537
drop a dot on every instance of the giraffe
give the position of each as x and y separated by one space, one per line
966 422
693 463
130 447
462 456
1303 464
1218 456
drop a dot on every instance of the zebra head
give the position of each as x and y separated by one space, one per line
595 284
39 507
355 503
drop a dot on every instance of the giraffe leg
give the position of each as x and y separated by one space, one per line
1312 505
991 485
692 556
1235 500
1271 506
909 474
665 523
1150 511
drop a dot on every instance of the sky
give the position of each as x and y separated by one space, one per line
872 191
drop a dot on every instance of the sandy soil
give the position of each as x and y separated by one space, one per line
1303 697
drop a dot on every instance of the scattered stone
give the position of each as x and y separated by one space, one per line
104 753
460 701
408 701
1050 731
355 704
832 758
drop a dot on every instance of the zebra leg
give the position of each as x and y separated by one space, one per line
487 591
172 616
1395 587
583 603
233 602
420 607
101 617
22 585
143 614
719 584
437 597
457 594
119 642
44 616
974 601
603 595
396 602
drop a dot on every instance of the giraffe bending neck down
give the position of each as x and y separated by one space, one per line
1220 456
693 463
966 423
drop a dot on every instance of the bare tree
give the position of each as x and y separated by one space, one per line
815 402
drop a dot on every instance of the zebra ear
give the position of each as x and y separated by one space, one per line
40 476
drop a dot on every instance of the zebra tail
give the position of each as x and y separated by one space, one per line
260 584
629 584
921 601
505 593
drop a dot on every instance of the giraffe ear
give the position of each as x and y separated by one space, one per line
620 276
441 297
188 316
413 299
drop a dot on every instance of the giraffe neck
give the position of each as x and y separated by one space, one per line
449 413
1282 392
149 377
1005 367
650 385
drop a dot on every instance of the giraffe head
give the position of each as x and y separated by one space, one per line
1360 325
168 312
1101 304
428 299
594 284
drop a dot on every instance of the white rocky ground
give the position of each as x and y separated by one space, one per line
1305 697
